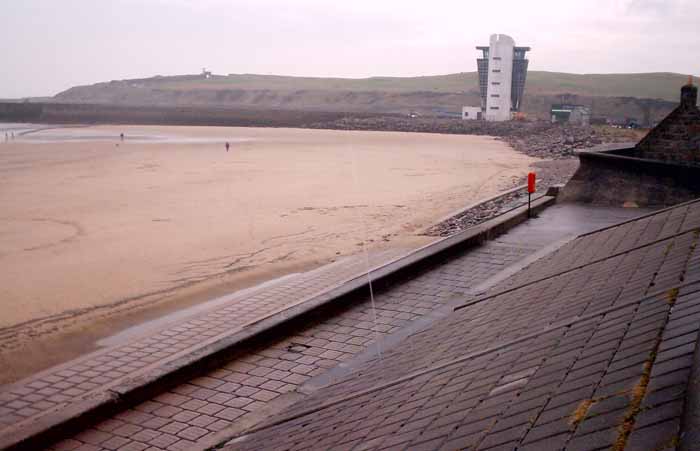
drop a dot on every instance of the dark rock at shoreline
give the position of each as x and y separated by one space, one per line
538 138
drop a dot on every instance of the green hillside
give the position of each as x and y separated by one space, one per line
660 85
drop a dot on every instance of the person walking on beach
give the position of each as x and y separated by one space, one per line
227 146
121 136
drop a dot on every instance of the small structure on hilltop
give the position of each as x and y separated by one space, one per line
502 72
662 169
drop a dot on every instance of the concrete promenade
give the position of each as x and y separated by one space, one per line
276 370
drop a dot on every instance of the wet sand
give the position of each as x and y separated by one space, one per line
93 228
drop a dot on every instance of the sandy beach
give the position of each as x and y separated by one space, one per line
92 225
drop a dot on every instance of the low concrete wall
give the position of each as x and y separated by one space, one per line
20 112
613 177
76 113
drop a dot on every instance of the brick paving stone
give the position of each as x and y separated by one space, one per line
202 421
148 406
203 394
218 425
255 405
155 423
211 408
172 399
164 441
182 445
264 395
135 446
272 385
185 416
192 433
194 404
246 391
206 382
127 430
239 401
167 411
115 443
93 436
173 427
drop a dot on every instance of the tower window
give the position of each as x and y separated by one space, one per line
496 71
496 83
497 58
495 95
495 108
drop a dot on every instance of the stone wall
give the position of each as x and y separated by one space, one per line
616 179
663 169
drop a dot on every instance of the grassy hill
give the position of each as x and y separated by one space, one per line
661 85
610 95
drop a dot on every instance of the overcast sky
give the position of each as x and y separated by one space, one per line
47 46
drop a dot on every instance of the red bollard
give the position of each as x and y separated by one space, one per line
531 182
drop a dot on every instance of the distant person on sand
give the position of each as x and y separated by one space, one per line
227 146
121 136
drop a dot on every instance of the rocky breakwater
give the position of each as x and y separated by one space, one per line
535 138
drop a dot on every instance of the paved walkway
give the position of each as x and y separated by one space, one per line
58 386
194 413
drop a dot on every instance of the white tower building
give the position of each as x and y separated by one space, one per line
502 73
500 78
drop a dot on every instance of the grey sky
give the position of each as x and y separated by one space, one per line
47 46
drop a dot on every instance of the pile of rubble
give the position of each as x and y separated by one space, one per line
477 215
554 142
562 141
538 139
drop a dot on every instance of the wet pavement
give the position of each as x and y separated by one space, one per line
278 370
591 347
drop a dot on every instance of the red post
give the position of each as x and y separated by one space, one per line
531 179
531 188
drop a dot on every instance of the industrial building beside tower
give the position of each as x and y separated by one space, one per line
502 73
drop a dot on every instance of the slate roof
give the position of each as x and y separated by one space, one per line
591 347
677 137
